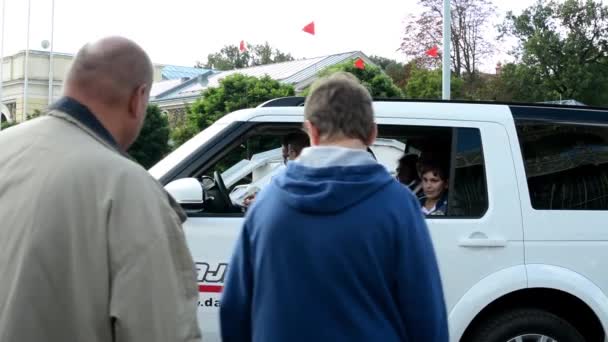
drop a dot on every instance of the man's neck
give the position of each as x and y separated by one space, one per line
97 110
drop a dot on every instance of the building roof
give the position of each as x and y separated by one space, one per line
164 85
42 52
324 62
173 72
278 71
299 73
291 72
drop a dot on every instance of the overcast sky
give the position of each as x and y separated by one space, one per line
183 31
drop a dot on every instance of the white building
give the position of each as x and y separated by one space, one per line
37 97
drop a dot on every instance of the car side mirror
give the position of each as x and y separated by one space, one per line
188 192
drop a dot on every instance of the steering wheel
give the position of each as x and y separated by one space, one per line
221 189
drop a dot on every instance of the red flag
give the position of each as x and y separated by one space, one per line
359 64
242 46
433 52
310 28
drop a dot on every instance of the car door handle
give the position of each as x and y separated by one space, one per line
481 240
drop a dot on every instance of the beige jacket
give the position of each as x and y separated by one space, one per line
91 246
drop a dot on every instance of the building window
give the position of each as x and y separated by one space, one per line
12 108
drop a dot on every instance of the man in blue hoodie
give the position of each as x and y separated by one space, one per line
334 249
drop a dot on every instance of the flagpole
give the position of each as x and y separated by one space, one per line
447 35
51 54
2 61
27 61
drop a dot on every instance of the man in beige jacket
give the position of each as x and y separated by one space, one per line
91 246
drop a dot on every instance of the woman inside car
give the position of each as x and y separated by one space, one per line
435 187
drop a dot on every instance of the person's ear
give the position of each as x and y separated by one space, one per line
313 133
138 101
372 136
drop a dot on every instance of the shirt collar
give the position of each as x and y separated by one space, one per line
83 114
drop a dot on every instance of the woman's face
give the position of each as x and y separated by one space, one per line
433 186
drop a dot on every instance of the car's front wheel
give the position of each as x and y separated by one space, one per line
526 325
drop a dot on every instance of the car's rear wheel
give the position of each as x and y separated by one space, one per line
526 325
532 338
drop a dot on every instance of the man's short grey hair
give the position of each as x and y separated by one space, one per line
340 107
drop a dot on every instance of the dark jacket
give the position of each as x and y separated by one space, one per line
334 254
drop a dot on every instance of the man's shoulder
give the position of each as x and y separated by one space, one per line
55 144
57 138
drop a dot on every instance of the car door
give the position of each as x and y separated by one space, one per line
489 238
211 239
211 236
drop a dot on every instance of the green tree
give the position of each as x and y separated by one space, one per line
515 83
228 58
231 57
262 54
235 92
562 47
153 141
397 71
427 84
377 82
382 62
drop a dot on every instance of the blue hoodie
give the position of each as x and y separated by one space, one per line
334 249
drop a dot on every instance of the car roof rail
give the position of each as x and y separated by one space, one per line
289 101
298 101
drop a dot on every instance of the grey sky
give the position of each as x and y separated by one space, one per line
183 31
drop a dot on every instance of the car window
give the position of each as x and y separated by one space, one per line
442 166
566 165
245 166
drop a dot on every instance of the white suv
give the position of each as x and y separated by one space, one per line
523 248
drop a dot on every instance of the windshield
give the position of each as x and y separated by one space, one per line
182 152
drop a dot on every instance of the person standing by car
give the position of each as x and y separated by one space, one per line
335 248
91 246
292 146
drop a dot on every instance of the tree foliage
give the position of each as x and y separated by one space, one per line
235 92
563 51
231 57
397 71
427 84
377 82
153 141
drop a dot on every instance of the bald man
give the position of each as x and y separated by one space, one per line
91 246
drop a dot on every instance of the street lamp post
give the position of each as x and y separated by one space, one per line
447 35
27 61
51 53
1 58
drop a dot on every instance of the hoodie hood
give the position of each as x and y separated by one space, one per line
330 179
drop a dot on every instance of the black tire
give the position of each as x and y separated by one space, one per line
506 326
